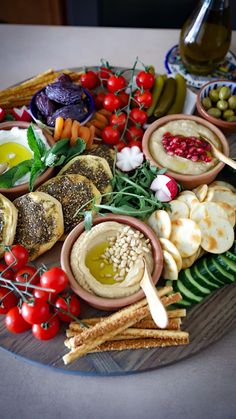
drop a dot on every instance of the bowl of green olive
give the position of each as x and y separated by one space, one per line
216 102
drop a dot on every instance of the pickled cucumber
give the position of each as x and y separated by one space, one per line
156 92
177 106
167 98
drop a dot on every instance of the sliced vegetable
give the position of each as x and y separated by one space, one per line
129 158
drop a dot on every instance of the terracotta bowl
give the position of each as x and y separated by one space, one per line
111 303
227 127
187 181
19 190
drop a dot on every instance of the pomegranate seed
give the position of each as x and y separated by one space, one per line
192 148
207 159
194 158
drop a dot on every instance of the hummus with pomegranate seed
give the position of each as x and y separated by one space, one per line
108 259
176 163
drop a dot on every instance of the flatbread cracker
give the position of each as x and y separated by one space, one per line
160 222
179 209
170 270
201 192
189 198
186 236
172 249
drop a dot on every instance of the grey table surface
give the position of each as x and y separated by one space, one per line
199 387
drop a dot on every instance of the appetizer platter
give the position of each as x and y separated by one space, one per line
117 218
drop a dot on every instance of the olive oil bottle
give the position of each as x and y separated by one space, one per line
205 37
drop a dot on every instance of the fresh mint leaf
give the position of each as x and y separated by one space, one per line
77 149
35 143
9 178
61 146
36 169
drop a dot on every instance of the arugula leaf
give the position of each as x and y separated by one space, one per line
9 178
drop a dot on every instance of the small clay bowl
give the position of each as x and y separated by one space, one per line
187 181
111 303
225 126
19 190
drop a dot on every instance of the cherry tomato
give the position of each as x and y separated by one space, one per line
44 295
47 330
35 311
111 102
138 116
98 100
145 79
18 256
136 143
15 322
143 98
124 99
110 135
55 278
134 133
25 274
89 80
115 83
70 303
7 300
120 145
118 120
9 274
104 74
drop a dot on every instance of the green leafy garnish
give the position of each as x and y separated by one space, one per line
11 176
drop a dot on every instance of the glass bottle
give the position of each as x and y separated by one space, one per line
205 37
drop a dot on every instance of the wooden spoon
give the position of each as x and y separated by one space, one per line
220 156
157 309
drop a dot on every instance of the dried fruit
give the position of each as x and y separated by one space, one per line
77 112
44 104
65 93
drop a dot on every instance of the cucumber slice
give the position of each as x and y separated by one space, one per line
220 272
213 272
193 285
206 270
186 294
227 264
183 303
208 283
230 256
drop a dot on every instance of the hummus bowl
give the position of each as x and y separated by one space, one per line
111 303
189 173
23 188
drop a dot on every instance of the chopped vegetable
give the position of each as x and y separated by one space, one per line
21 114
129 158
165 188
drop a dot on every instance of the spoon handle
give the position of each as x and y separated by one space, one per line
227 160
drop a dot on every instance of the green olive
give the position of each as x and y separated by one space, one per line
232 102
214 95
228 113
225 92
215 112
232 119
206 103
222 105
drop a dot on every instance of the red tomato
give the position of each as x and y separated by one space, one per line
15 322
138 116
89 80
35 311
136 143
143 98
110 135
145 80
70 303
118 120
44 295
98 100
47 330
124 99
115 83
25 274
55 278
7 300
104 74
134 133
111 102
9 274
120 145
17 257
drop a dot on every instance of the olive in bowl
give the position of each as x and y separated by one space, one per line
216 102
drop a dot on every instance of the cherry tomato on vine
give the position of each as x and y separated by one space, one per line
145 79
44 295
104 73
7 300
143 98
67 302
124 99
55 278
15 322
138 116
35 311
18 256
111 102
115 83
47 330
110 135
98 100
134 133
89 80
118 120
120 145
25 274
136 143
9 274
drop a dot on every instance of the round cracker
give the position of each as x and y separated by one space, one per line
189 198
206 209
222 184
229 211
217 234
160 222
186 236
179 209
187 262
201 192
223 195
170 270
172 249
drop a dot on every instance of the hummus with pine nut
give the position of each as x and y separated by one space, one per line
175 163
108 260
